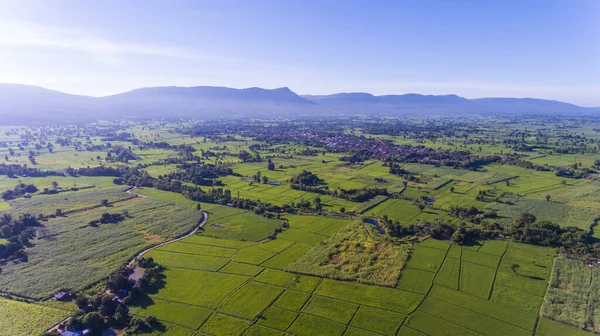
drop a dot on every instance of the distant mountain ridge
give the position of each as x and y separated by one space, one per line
22 104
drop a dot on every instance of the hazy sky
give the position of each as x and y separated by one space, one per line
548 49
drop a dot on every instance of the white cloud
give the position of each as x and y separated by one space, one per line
18 33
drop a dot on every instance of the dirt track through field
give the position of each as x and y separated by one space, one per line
191 233
142 253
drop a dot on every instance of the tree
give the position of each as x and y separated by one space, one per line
104 202
452 189
342 209
93 320
563 182
271 165
198 207
55 184
548 198
514 268
58 212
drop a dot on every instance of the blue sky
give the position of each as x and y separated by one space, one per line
548 49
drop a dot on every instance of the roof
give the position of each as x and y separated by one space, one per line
71 333
61 295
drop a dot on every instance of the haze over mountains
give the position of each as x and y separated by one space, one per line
22 104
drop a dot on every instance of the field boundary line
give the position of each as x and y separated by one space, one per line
271 304
476 312
496 273
475 331
460 261
273 256
194 254
304 304
480 298
426 295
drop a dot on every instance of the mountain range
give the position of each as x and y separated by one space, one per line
23 104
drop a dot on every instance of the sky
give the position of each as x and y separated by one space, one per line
493 48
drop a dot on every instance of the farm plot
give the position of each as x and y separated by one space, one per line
330 309
401 210
374 296
377 320
353 254
250 300
182 314
238 224
572 296
469 319
68 243
68 201
177 286
20 318
559 213
523 287
288 256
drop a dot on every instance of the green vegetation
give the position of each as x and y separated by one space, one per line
354 254
67 243
334 310
573 294
357 227
20 318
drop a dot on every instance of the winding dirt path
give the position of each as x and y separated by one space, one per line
142 253
191 233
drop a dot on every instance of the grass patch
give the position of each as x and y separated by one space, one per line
211 241
198 250
276 245
257 330
275 277
20 318
181 260
330 309
352 254
288 256
495 247
250 300
550 328
224 325
292 300
485 307
308 326
68 243
305 283
434 243
182 314
241 269
177 287
246 226
253 255
379 297
572 295
469 319
377 320
476 279
426 258
301 236
479 258
430 325
277 318
415 280
449 273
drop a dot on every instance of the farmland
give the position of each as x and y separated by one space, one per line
333 229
